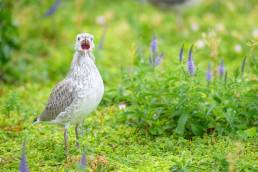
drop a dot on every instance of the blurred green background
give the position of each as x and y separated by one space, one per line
219 29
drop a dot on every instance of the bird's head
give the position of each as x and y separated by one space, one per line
84 42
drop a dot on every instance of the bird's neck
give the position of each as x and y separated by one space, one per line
81 65
81 58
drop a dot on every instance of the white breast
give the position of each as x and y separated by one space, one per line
90 93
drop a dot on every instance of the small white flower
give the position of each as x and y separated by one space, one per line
238 48
200 44
220 27
195 27
122 106
100 20
255 33
155 116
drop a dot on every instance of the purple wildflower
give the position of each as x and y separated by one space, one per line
221 68
190 62
158 59
53 8
83 161
23 163
209 73
181 53
155 59
154 46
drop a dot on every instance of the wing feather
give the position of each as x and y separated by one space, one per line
60 98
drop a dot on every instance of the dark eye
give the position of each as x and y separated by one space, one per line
91 38
78 38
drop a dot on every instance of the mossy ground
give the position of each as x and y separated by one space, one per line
110 145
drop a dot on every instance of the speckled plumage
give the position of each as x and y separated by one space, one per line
79 93
60 98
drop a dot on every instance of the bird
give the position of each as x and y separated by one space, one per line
78 94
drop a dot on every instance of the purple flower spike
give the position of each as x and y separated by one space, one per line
221 68
23 163
190 62
181 53
155 59
154 45
209 73
158 59
83 161
53 8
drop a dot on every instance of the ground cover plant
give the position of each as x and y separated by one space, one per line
180 91
186 100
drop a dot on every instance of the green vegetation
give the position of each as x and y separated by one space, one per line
9 37
173 101
152 117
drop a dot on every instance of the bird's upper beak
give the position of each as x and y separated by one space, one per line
85 45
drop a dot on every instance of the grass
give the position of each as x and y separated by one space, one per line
111 145
114 146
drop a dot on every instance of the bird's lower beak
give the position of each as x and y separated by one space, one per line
85 45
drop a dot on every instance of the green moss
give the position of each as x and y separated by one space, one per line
114 146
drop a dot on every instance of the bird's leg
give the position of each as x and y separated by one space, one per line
66 140
77 135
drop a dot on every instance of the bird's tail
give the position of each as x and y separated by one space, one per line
36 121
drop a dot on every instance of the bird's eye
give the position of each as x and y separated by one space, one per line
91 38
78 38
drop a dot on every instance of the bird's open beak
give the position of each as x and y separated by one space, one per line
85 44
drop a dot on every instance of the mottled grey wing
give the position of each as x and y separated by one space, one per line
60 98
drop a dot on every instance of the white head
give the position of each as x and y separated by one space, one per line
84 42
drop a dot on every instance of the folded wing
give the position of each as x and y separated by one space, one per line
60 98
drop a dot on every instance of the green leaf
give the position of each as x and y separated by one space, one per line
181 124
197 129
229 117
251 132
